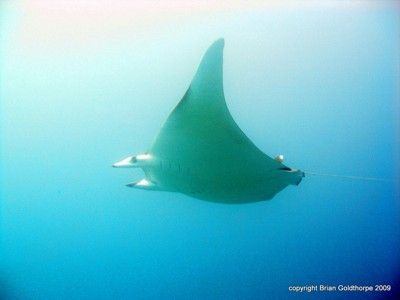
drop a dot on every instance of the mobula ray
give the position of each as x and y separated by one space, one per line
201 152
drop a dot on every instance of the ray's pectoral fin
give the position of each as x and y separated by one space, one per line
145 184
201 125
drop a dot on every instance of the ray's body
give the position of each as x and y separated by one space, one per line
201 152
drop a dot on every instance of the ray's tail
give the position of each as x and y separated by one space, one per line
350 177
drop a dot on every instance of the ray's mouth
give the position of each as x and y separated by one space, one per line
285 169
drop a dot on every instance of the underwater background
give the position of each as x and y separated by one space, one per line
84 84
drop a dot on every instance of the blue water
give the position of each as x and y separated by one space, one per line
317 84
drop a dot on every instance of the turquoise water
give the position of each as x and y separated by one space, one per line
84 86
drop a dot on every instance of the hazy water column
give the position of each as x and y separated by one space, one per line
82 85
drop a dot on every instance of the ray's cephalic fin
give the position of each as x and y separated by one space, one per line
137 161
144 184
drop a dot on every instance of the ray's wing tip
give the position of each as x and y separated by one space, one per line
217 45
219 42
214 51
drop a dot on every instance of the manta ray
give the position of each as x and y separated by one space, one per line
201 152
